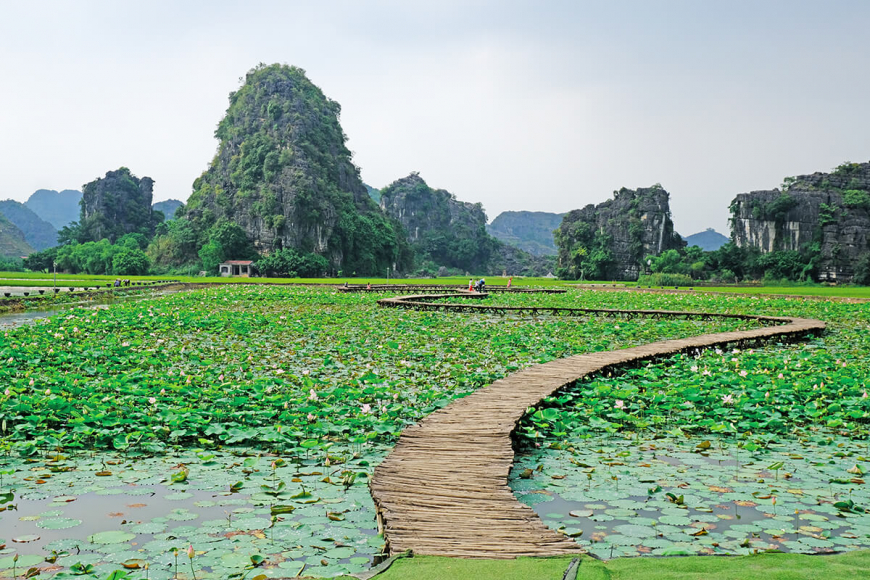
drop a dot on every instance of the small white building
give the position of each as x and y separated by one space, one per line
232 268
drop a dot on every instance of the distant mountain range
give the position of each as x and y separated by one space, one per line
531 231
168 207
37 232
12 242
709 240
57 208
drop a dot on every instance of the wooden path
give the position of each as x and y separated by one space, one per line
443 490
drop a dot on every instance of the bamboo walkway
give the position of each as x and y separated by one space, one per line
443 490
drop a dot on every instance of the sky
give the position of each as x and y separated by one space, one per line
542 105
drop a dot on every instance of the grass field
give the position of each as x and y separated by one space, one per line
848 566
42 279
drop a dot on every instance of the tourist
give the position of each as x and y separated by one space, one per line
510 281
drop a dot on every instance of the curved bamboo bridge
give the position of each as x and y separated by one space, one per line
443 490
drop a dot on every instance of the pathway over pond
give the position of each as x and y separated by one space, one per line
443 490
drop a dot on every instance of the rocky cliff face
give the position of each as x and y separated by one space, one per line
531 231
827 214
114 205
609 241
284 174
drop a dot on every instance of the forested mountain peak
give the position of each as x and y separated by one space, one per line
115 205
284 174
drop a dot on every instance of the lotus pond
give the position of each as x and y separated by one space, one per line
241 421
723 452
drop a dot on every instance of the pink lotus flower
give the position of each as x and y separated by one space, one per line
221 378
312 396
190 552
366 408
162 391
311 417
780 376
864 396
743 373
47 391
619 404
152 400
8 392
727 399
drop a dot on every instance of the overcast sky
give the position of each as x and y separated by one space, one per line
521 105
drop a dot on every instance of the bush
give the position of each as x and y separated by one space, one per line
662 279
130 262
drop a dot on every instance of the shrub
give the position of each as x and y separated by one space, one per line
663 279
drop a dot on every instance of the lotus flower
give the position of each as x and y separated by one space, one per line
619 404
727 399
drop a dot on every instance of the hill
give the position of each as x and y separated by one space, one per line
115 205
709 240
168 207
823 218
284 175
57 208
447 233
12 242
609 241
38 233
531 231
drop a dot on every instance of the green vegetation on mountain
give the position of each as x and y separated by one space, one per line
167 208
57 208
37 232
531 231
284 175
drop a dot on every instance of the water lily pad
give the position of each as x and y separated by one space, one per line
635 531
58 523
25 561
111 537
27 538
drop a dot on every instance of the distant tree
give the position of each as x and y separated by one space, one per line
211 255
41 261
68 234
130 262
